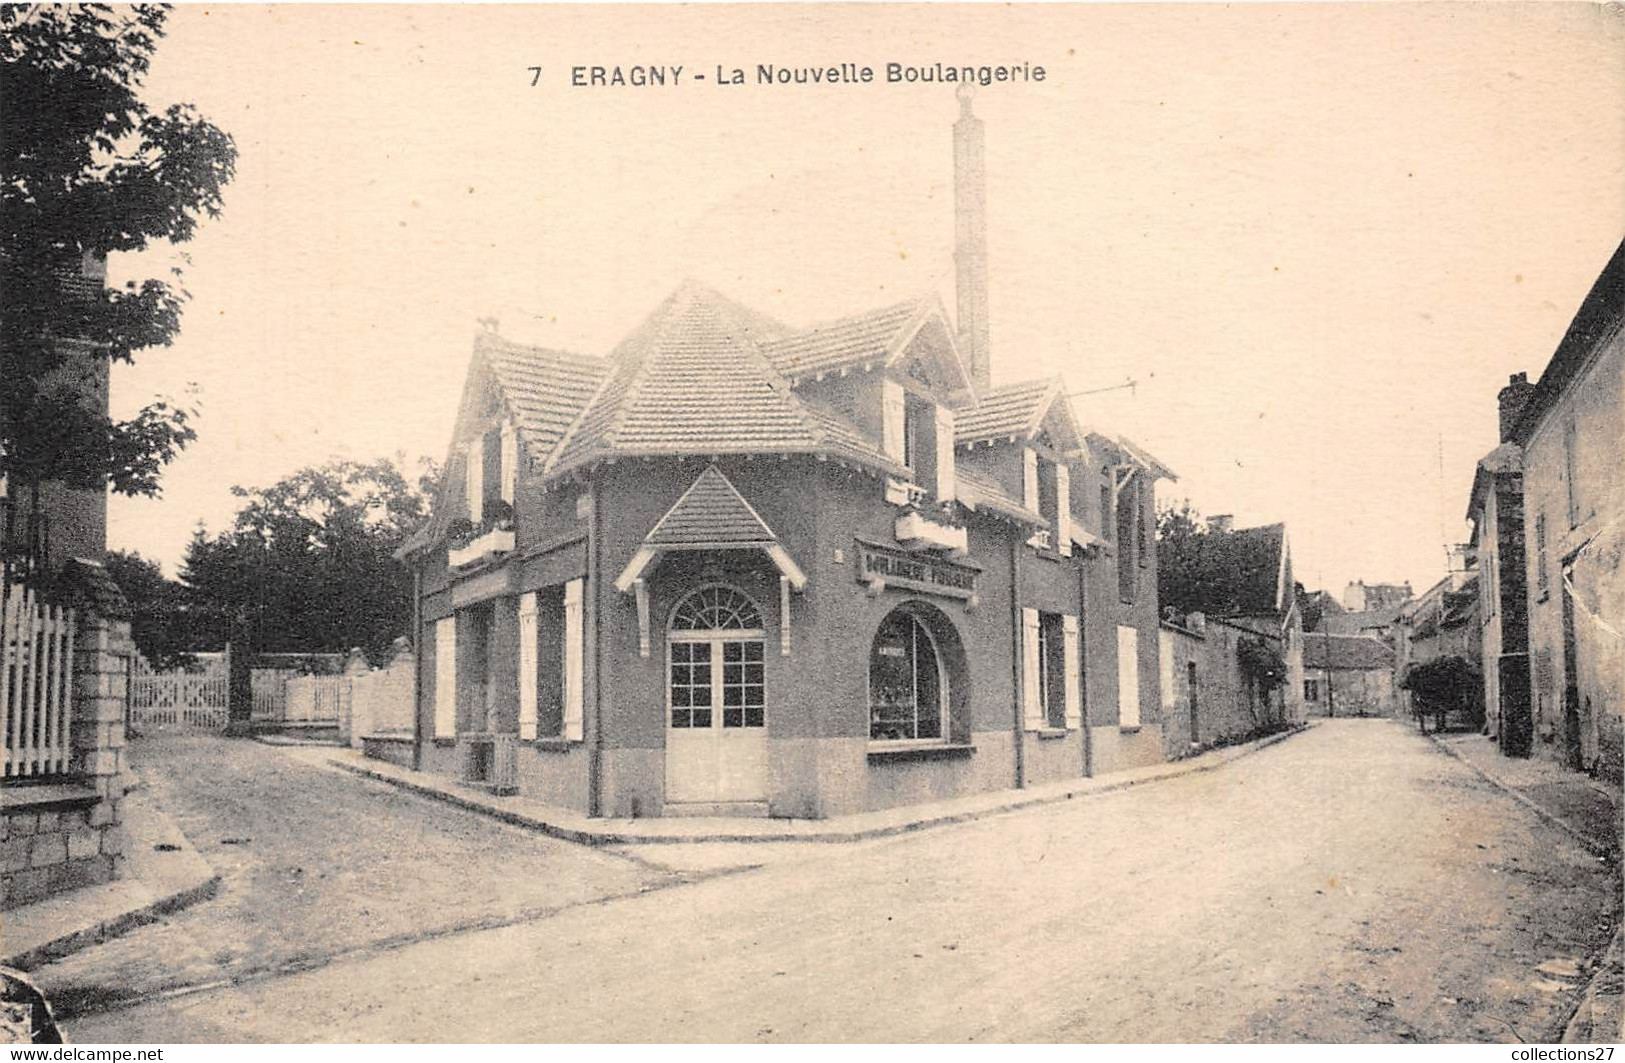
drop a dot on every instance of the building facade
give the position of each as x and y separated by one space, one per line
1348 675
1572 435
737 568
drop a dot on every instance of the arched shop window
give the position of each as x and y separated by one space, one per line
907 683
714 661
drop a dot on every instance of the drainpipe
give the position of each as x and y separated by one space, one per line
1083 615
1017 658
417 667
595 753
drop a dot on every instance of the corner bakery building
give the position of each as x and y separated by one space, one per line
738 568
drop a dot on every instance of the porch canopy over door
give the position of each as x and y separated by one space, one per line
710 515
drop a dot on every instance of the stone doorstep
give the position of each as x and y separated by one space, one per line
155 883
573 826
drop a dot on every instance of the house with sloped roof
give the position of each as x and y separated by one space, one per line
1243 577
737 567
1348 675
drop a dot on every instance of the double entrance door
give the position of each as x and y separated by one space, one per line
716 720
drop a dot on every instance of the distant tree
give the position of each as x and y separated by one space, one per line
307 565
1180 531
87 167
164 623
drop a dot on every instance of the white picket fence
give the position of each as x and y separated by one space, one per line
179 699
36 684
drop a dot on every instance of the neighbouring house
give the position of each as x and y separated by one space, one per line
1243 578
1442 621
741 568
1495 510
1570 432
65 651
1362 597
1348 675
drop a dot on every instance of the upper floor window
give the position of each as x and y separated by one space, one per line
1128 540
1047 490
492 470
919 433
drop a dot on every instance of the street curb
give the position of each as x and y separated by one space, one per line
590 837
1596 846
1582 1027
163 895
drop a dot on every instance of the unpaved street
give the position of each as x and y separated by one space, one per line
1350 884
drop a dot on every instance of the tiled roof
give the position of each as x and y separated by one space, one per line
546 390
980 492
1361 652
843 343
711 511
692 380
1010 410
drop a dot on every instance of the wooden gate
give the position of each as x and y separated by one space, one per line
179 699
36 684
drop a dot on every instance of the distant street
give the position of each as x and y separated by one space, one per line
1350 884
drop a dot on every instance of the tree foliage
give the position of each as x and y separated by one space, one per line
164 623
89 168
308 563
1447 684
1180 531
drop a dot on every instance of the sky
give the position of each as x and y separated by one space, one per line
1318 237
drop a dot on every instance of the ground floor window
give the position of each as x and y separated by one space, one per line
1311 690
905 681
1052 670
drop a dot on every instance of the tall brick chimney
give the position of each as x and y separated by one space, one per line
970 240
1513 398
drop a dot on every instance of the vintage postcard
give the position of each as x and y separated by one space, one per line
906 523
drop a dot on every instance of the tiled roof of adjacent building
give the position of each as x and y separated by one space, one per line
546 390
1008 410
979 491
1352 652
711 511
844 343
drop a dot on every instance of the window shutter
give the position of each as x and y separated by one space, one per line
510 463
574 647
892 411
527 665
1128 677
1074 671
1029 478
474 474
1032 709
1063 508
946 480
445 677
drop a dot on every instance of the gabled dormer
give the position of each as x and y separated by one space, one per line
486 465
1025 436
896 375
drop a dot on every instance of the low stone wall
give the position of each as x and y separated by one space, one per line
396 749
46 852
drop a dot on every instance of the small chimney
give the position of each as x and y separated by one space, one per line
1513 398
970 240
